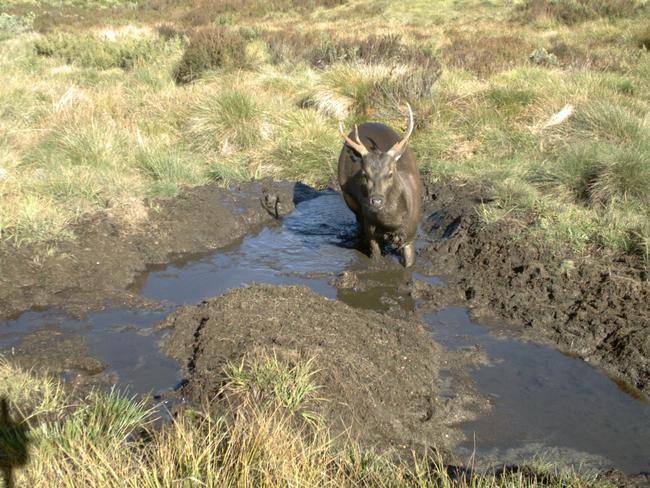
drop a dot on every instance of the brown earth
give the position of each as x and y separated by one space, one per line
381 375
55 352
598 310
96 268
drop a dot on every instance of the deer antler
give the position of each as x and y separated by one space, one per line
399 147
358 145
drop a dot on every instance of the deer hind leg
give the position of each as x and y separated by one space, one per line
407 257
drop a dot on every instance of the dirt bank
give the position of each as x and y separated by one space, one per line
382 376
598 309
97 267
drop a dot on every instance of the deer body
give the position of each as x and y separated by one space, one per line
381 184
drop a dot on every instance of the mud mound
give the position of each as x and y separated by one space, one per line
599 310
380 375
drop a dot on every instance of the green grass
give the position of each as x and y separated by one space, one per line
54 438
269 380
96 116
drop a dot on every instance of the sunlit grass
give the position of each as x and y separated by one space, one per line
102 440
97 118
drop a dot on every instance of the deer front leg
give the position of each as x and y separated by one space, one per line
372 242
375 250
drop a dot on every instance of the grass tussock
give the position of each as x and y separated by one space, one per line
51 438
168 168
306 145
228 121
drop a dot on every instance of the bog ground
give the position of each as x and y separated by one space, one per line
122 126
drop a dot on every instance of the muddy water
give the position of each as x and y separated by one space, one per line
543 401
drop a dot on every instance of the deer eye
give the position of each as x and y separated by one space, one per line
390 175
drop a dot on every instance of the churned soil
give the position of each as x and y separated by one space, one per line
381 375
598 308
96 268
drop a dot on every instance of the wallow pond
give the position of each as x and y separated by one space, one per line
542 403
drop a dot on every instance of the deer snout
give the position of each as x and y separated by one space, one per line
377 201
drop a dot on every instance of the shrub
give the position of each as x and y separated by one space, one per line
643 39
169 32
90 51
485 54
208 49
207 11
574 11
14 24
542 57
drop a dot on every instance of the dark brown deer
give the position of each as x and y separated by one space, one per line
381 184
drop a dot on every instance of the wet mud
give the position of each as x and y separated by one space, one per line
96 269
598 309
404 363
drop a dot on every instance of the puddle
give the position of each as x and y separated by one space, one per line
546 402
542 399
121 339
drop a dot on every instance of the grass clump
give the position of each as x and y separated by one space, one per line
270 380
168 168
606 173
306 148
227 121
209 49
91 51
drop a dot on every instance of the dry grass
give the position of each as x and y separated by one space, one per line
92 119
574 11
264 439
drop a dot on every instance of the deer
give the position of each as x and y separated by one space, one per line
380 182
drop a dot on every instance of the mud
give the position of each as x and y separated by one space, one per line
63 354
56 352
599 310
96 268
381 375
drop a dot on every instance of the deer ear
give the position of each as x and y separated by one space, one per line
354 155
